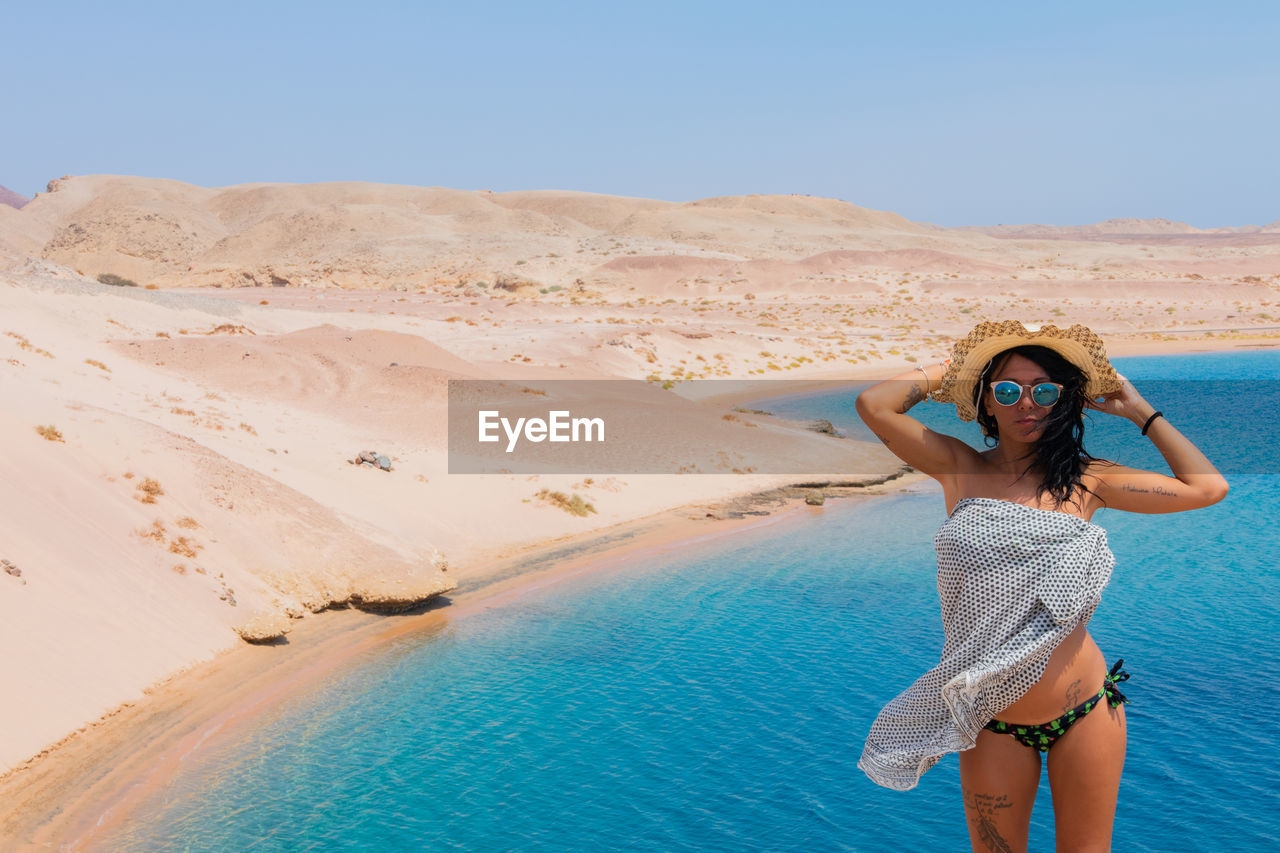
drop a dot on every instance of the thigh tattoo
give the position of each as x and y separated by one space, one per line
983 809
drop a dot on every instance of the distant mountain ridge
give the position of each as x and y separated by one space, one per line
361 235
352 234
1126 226
11 198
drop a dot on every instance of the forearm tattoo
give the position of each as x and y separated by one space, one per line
914 395
983 809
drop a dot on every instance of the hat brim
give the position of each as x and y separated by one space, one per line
1077 344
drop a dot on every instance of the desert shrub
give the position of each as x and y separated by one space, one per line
183 547
115 280
573 505
155 532
150 489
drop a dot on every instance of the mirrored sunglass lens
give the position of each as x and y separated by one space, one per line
1045 395
1007 393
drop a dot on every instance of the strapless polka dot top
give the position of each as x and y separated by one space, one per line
1013 582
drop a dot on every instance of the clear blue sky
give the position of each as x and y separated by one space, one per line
954 113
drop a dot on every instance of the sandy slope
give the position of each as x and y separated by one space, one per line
246 418
296 325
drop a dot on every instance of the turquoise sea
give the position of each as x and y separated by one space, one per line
718 699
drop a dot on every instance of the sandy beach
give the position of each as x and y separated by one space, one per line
183 477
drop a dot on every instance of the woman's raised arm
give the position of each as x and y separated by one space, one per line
1195 482
883 408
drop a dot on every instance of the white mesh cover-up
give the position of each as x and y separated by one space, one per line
1014 581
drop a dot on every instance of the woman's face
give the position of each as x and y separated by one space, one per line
1024 421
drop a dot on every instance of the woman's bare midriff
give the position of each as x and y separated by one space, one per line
1074 673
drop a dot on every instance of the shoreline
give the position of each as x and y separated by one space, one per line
85 784
76 791
1139 344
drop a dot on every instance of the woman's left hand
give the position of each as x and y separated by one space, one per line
1127 403
1195 482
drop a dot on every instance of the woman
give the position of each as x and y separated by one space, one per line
1020 572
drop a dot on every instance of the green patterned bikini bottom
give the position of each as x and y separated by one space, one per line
1043 735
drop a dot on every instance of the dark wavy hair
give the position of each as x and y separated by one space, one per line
1060 454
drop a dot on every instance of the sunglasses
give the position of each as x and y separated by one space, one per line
1007 393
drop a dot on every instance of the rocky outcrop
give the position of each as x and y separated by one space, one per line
264 627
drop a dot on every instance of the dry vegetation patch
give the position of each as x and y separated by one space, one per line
575 505
25 344
116 280
148 491
184 547
156 532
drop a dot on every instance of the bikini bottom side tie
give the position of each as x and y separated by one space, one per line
1042 736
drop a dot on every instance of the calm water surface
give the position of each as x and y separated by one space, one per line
718 699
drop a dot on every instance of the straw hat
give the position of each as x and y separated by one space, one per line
1078 345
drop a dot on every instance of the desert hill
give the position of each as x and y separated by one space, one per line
166 233
364 235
